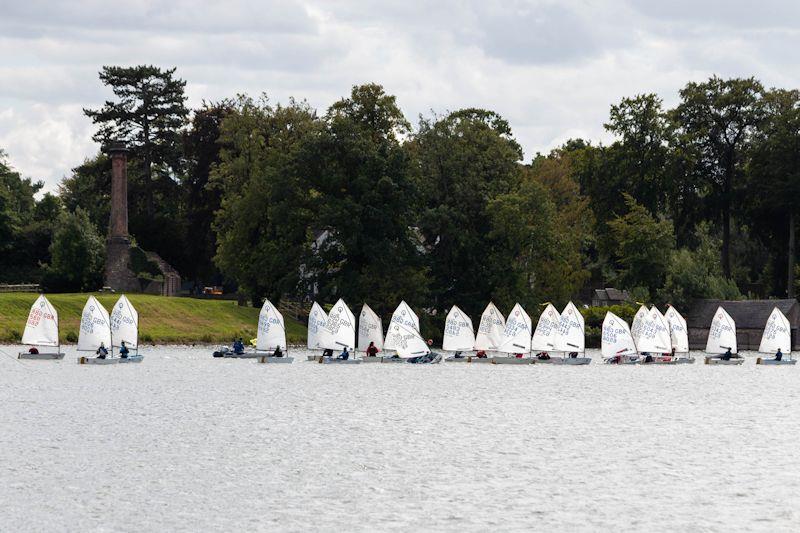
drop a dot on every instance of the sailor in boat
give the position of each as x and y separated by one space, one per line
518 355
345 355
481 354
102 352
33 350
458 355
543 356
372 350
123 351
327 352
238 347
779 355
278 352
573 355
648 357
727 356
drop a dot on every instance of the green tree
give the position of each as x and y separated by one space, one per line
644 246
714 124
462 161
361 190
262 226
78 256
774 177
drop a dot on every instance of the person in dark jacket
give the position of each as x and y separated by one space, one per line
372 350
779 355
123 351
727 356
345 355
102 351
278 352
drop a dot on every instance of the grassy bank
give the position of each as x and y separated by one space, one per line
161 319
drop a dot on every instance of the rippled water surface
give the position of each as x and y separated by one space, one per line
184 442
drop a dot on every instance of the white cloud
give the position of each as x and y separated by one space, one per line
551 68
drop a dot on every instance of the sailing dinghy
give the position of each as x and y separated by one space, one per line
458 334
41 329
654 344
405 317
370 330
125 328
410 347
617 342
570 338
721 339
316 321
679 336
777 336
516 339
339 334
490 332
271 335
95 332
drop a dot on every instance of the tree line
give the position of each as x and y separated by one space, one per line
281 200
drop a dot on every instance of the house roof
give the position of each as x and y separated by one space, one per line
748 314
610 293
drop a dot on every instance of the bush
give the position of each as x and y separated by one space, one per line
78 256
71 336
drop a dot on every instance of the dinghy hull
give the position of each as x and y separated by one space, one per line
718 361
564 361
334 361
684 361
277 360
40 356
131 359
512 361
773 362
98 361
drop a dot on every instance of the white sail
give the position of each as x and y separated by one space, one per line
458 333
544 338
271 328
517 334
95 327
722 333
617 338
409 343
41 329
653 333
316 321
402 315
777 334
570 336
370 329
490 329
340 328
125 323
678 332
636 325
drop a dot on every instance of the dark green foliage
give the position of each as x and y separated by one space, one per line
78 256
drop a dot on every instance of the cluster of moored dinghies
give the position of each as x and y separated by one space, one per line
653 338
99 332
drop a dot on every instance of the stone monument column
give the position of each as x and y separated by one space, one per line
118 273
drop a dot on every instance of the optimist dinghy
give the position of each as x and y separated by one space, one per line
516 339
316 321
271 335
411 348
721 339
370 330
339 334
41 329
617 342
125 329
679 336
458 335
95 332
490 333
654 343
403 316
777 337
570 337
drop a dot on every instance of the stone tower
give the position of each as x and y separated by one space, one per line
119 274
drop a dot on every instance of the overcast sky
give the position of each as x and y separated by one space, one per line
551 68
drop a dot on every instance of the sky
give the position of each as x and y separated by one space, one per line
551 68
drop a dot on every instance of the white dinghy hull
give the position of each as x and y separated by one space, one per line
132 359
334 361
563 361
773 362
273 359
684 360
512 360
40 356
718 361
97 361
372 359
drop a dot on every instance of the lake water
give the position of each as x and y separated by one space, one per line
184 442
